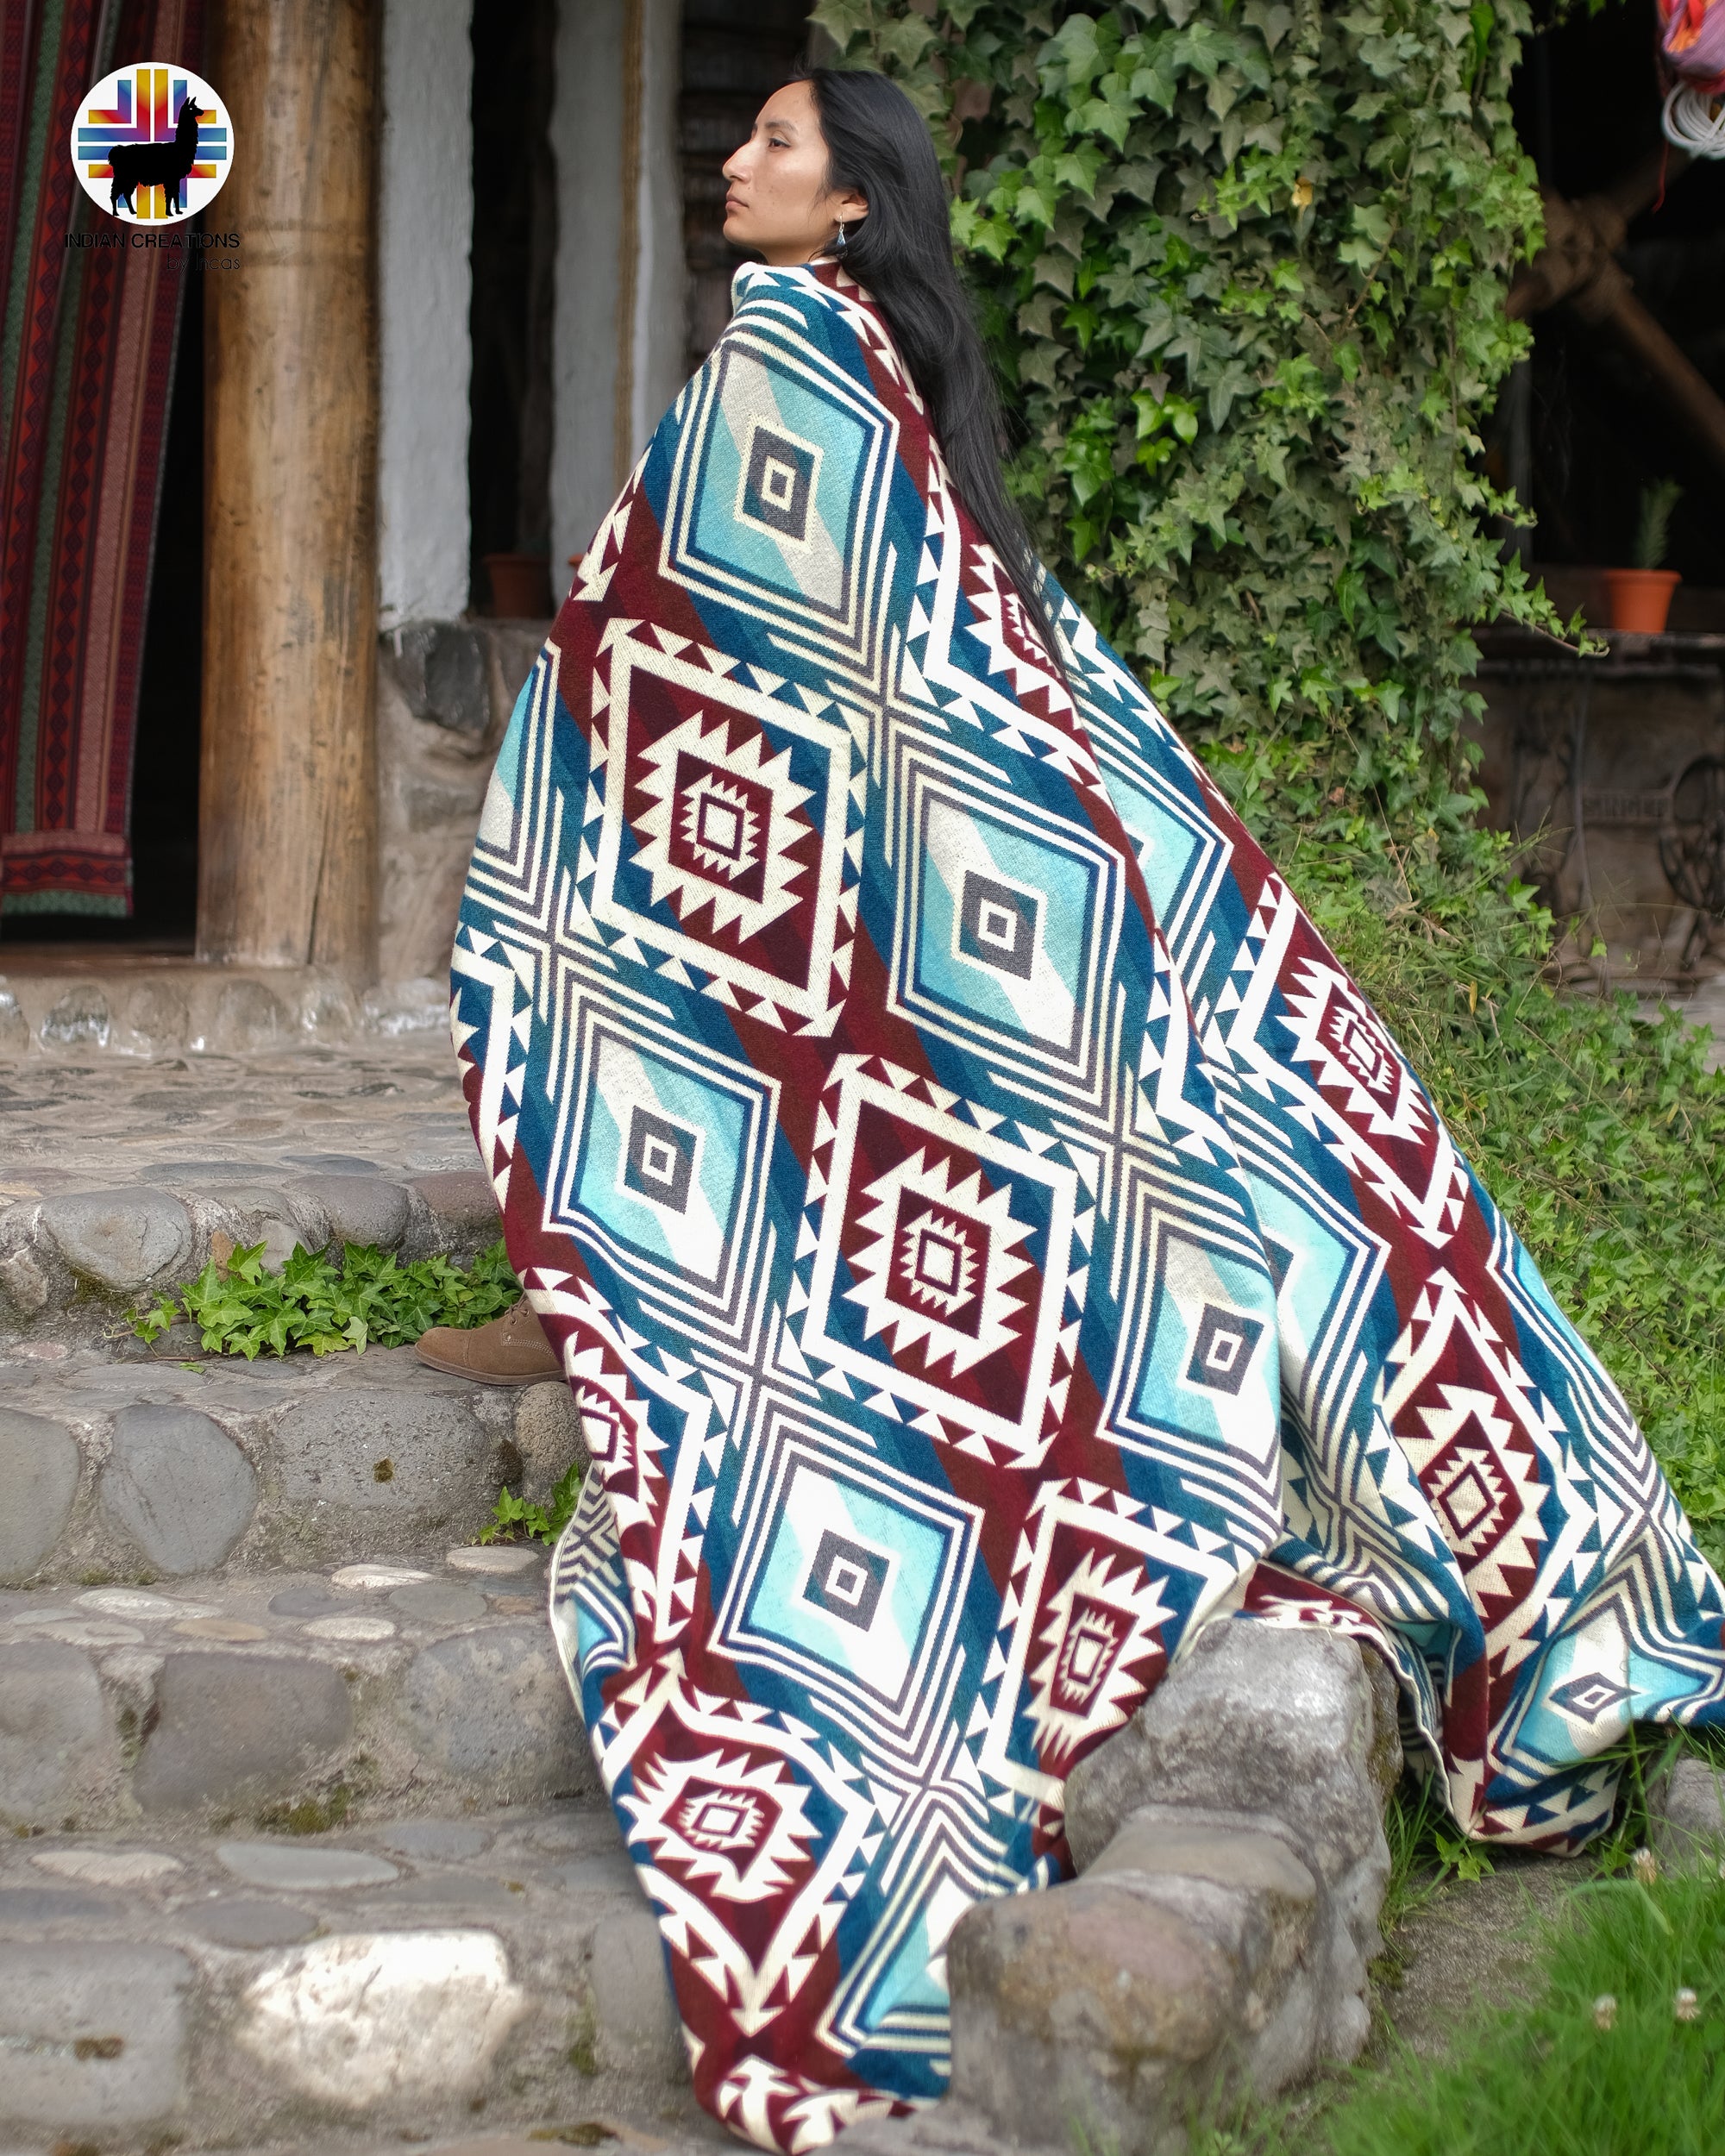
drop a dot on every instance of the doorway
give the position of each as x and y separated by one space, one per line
735 54
514 265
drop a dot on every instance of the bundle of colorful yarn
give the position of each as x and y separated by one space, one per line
1693 54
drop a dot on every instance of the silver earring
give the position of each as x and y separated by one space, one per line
840 242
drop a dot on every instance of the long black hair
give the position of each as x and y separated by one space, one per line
878 146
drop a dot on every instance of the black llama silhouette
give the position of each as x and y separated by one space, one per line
135 165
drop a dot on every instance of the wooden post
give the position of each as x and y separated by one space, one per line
288 815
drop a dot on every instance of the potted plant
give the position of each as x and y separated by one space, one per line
520 586
1641 596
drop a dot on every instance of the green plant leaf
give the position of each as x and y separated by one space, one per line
246 1308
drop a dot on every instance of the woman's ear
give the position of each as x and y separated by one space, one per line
851 206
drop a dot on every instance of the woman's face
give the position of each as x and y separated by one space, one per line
779 204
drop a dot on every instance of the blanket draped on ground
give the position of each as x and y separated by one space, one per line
989 1237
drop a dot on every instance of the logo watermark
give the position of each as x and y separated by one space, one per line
152 144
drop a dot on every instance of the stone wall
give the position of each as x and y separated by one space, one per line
445 691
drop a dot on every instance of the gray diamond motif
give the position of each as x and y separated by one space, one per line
776 489
1586 1698
661 1159
846 1580
1222 1349
997 925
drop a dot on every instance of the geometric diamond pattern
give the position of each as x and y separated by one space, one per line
972 1278
1589 1697
1008 926
660 1157
779 483
941 1259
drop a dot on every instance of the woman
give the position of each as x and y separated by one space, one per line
987 1233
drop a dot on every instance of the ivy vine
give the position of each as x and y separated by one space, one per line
1242 264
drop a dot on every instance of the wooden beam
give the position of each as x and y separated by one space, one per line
1688 395
288 819
1578 267
629 244
1582 237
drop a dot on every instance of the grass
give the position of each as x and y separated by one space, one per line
1606 2059
1611 2058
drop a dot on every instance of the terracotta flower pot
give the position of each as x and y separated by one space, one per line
520 586
1641 599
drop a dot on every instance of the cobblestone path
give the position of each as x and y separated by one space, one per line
306 1845
380 1108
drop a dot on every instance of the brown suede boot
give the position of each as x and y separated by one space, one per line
512 1350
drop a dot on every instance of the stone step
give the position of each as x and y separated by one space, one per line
126 1467
414 1979
668 2126
119 1179
75 1262
166 1008
290 1698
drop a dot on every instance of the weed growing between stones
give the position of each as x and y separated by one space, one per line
308 1815
370 1299
1412 1821
512 1516
583 2052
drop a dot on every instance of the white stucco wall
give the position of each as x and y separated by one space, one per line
662 286
424 293
587 140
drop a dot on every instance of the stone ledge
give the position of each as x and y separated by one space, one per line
147 1466
1187 1959
1687 1814
946 2128
399 1977
72 1263
291 1697
170 1007
1261 1720
1232 1863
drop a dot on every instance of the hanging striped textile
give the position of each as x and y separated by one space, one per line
87 337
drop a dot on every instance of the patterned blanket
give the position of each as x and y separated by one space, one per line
988 1238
